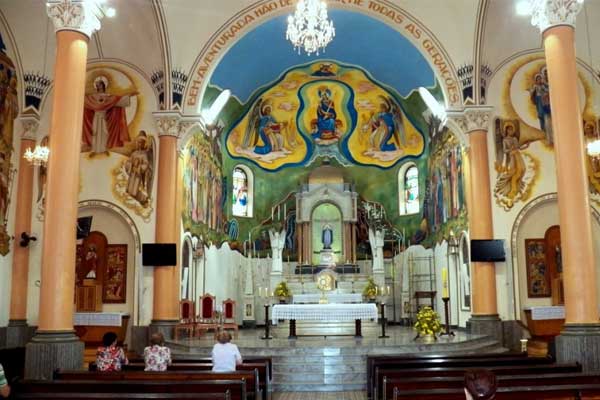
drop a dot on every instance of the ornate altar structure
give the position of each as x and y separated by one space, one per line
326 221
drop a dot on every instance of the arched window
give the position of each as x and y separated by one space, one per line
242 193
408 189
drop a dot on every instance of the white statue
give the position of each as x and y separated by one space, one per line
277 246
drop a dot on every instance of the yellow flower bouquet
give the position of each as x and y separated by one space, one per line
370 291
428 322
282 290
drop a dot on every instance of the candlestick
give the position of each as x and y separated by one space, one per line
278 213
284 210
272 212
445 293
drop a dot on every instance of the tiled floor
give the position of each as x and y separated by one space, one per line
320 396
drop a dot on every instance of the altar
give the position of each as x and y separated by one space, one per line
91 327
324 313
331 298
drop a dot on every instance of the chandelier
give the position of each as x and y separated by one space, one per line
38 156
593 148
309 27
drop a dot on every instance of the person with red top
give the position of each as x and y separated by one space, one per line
110 357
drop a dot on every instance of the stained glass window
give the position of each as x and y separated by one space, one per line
239 196
411 191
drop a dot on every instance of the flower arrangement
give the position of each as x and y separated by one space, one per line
282 290
428 322
370 290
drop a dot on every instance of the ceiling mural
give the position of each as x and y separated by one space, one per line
324 108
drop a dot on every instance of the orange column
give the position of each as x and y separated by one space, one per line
58 253
20 267
166 282
579 274
484 273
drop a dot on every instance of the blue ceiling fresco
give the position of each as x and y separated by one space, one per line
263 54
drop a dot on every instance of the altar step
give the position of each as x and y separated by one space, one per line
329 328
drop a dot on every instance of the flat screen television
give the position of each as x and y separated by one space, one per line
159 254
487 250
84 225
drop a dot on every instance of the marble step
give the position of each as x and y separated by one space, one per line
327 378
316 368
319 387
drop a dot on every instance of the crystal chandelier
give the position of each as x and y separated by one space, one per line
309 27
38 156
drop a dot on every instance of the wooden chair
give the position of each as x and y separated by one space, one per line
187 318
207 319
229 315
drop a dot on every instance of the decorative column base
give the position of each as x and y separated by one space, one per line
140 338
18 333
579 343
48 351
3 337
164 326
490 325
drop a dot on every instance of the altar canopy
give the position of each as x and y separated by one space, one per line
324 312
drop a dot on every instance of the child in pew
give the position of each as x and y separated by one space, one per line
480 384
157 356
225 355
4 388
110 357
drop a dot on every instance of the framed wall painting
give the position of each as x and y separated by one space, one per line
465 277
115 279
538 274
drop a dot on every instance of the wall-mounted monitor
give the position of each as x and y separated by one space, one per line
487 250
159 254
84 226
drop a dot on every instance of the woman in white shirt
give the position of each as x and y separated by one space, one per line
225 355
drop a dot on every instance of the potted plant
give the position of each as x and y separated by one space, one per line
428 324
370 291
282 291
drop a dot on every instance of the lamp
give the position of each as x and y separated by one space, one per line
39 155
310 28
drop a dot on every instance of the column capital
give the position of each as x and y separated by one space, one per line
30 124
548 13
474 118
75 15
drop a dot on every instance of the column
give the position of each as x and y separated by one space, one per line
166 279
55 344
475 122
17 334
581 333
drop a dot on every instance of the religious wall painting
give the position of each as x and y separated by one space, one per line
9 108
133 177
538 275
91 257
324 108
113 109
114 288
204 188
516 169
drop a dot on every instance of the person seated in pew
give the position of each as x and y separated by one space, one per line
110 357
225 355
480 384
157 356
4 388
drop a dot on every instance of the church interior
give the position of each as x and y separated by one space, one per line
363 192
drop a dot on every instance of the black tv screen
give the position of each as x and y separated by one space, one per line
487 250
159 254
84 225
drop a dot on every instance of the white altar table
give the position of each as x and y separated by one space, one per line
324 312
332 298
98 319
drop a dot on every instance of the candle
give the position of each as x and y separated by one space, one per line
284 210
445 294
278 213
388 290
272 212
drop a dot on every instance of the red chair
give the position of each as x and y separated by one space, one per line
207 319
187 318
229 315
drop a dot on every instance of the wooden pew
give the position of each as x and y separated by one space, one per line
560 392
236 388
457 382
444 371
264 380
399 359
250 377
125 396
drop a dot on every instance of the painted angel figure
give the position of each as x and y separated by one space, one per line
386 128
264 133
140 169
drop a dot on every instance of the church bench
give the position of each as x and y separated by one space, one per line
444 371
558 392
399 359
457 382
236 388
125 396
261 367
250 377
